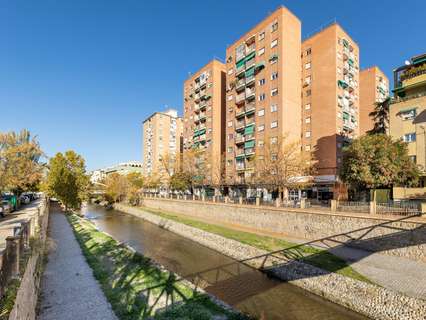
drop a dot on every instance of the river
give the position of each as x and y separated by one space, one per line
251 291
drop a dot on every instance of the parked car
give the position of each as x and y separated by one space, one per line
24 199
6 207
11 199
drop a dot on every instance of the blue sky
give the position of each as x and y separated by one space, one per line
84 74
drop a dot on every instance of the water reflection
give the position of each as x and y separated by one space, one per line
239 285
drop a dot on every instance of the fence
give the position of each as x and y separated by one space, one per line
406 208
20 258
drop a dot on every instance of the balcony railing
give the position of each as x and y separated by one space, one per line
240 98
249 151
239 125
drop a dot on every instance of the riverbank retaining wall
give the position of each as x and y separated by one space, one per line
25 306
368 299
397 236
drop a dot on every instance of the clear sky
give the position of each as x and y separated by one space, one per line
83 74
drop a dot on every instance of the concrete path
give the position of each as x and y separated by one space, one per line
394 273
69 289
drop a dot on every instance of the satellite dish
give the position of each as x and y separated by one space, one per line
407 63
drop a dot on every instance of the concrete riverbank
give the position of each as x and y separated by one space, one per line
370 300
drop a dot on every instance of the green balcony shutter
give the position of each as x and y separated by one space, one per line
345 116
240 63
249 129
249 144
249 72
251 55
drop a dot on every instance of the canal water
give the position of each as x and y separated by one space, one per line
242 287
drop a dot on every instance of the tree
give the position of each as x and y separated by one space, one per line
180 181
67 179
281 165
374 161
116 187
136 182
20 167
380 116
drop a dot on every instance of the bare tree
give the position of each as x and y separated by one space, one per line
281 165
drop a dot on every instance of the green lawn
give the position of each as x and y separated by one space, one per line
135 286
316 257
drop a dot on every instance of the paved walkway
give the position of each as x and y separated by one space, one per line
395 273
69 290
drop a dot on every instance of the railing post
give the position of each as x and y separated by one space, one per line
257 201
302 203
12 254
226 199
193 197
372 207
277 202
185 197
214 198
333 205
203 198
423 207
240 200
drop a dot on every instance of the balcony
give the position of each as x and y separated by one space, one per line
250 108
240 84
240 98
250 80
239 71
249 121
240 113
250 93
250 63
239 139
342 84
240 153
239 125
249 137
249 151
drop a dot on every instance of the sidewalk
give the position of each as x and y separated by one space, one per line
69 290
394 273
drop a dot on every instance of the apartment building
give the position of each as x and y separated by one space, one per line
373 88
162 133
263 91
330 103
204 116
407 112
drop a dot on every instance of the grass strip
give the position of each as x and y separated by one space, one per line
135 286
313 256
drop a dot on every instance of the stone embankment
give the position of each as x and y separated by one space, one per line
397 236
368 299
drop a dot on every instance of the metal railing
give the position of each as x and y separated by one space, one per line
403 208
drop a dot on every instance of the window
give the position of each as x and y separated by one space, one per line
413 158
274 140
408 114
308 92
274 75
307 106
274 92
308 147
339 70
230 123
262 35
307 65
262 97
274 26
230 97
261 113
261 51
409 137
261 128
307 134
274 43
274 108
308 51
274 124
230 136
230 149
260 143
229 163
308 80
231 71
262 82
308 120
